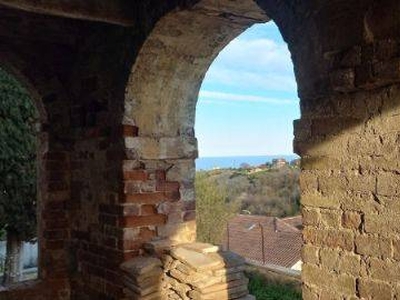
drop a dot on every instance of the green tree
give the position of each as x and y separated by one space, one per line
18 118
212 209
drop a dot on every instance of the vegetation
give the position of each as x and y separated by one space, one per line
213 209
224 192
264 290
18 118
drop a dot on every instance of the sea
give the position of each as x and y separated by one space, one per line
209 163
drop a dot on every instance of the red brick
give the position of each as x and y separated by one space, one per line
54 244
57 186
53 214
173 196
56 175
130 131
132 222
168 186
148 210
147 234
56 223
160 175
139 175
55 205
148 198
129 245
55 234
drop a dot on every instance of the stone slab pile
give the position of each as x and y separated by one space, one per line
143 278
196 271
200 271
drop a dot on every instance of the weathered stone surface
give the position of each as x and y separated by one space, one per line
200 247
141 265
196 260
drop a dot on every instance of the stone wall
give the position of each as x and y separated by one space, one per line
347 138
120 101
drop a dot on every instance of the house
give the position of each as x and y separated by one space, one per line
278 163
266 240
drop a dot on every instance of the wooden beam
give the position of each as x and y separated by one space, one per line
119 12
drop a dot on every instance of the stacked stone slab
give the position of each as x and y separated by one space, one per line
143 278
201 272
191 271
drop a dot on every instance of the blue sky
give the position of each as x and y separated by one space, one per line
248 99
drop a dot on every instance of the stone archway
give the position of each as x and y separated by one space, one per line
162 94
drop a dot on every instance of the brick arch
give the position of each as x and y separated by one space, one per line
52 257
13 65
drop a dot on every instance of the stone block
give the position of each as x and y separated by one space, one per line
329 259
196 260
330 218
141 265
314 199
384 270
374 246
351 220
374 290
200 247
311 217
310 254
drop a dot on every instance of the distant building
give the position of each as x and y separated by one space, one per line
296 163
278 163
281 246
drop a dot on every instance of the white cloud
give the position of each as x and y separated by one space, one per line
215 97
252 80
259 54
258 64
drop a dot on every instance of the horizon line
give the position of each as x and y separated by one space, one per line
255 155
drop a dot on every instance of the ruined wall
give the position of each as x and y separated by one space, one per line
119 167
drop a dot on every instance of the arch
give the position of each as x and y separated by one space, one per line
161 97
42 90
13 65
163 87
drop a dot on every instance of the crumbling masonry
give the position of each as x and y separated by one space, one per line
117 83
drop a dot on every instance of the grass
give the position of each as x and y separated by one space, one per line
263 290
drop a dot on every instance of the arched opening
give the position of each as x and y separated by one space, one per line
21 157
247 176
160 104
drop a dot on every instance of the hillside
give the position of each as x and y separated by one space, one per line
222 193
259 191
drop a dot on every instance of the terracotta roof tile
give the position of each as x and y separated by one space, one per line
296 221
282 242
